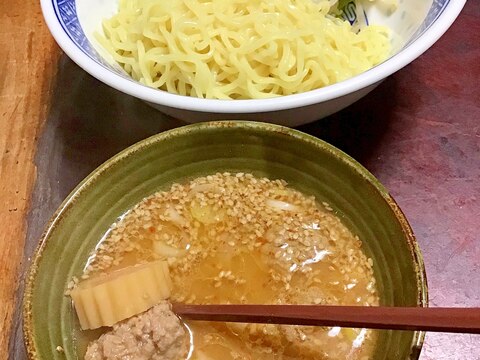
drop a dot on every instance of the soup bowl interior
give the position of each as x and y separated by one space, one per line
308 164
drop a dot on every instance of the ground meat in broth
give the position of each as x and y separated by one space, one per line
157 334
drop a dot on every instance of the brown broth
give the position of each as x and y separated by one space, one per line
240 239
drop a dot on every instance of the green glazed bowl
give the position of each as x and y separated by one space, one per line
307 163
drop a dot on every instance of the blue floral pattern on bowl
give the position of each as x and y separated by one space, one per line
435 11
66 13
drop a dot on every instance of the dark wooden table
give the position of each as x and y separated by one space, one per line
418 132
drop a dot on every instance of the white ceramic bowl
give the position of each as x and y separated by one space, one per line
416 25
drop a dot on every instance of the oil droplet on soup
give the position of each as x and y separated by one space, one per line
234 238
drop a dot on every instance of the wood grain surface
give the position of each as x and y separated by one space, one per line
27 66
418 132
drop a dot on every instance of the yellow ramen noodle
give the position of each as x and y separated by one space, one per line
239 49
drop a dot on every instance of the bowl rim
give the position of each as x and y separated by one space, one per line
70 200
409 53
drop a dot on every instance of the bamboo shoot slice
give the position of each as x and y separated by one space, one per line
108 299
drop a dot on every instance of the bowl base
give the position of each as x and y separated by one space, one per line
288 117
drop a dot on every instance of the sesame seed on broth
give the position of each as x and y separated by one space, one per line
236 238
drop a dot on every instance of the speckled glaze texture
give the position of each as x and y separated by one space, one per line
306 163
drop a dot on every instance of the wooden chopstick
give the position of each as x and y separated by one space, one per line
455 320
